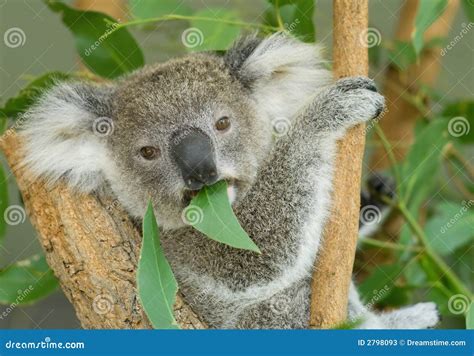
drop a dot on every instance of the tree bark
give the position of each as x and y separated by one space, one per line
92 247
333 270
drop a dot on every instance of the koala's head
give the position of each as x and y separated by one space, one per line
165 131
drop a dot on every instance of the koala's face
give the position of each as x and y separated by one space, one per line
177 126
180 126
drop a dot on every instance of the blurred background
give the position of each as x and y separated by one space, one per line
437 81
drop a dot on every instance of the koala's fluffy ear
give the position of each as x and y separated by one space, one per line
282 72
64 134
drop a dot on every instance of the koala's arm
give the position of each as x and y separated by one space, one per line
291 193
285 211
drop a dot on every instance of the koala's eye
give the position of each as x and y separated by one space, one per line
223 123
149 152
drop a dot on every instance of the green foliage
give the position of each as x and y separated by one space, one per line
157 286
379 283
423 163
428 11
451 227
293 16
470 317
211 213
29 94
402 54
211 36
145 9
106 50
468 6
26 281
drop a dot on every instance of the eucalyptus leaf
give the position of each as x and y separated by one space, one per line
26 281
106 50
376 287
30 93
451 227
3 200
468 6
470 317
301 25
145 9
205 35
157 286
211 213
296 15
427 13
402 54
422 162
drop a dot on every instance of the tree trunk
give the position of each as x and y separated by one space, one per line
92 247
333 270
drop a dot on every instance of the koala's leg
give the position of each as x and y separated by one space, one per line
418 316
284 310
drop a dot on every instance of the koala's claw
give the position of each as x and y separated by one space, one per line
351 83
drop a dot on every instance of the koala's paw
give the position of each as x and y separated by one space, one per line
357 100
418 316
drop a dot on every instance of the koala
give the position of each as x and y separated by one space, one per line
169 129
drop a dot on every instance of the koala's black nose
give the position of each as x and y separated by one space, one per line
193 152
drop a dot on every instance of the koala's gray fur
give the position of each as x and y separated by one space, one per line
282 189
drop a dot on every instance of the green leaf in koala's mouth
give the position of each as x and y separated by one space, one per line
210 212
